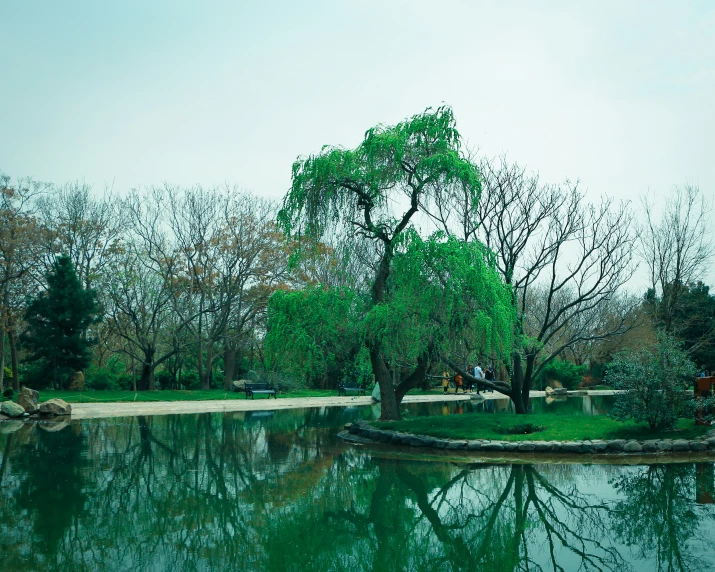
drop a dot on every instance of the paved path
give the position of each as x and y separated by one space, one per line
95 410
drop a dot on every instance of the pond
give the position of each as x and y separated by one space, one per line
279 491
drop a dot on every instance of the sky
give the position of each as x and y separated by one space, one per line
618 95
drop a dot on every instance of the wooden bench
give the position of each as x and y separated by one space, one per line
253 388
343 389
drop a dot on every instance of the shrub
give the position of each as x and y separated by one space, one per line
190 380
655 379
163 379
8 393
567 373
101 379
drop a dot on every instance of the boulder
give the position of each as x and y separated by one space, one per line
650 446
665 445
616 445
509 445
560 391
599 445
698 446
456 445
526 446
28 399
549 390
240 385
474 445
55 407
493 446
12 409
572 447
633 447
681 445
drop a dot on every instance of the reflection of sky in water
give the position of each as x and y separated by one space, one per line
278 491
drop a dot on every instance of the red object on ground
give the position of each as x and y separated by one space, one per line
704 387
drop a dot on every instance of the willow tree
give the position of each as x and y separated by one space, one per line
375 191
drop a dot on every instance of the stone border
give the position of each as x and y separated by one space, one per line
599 447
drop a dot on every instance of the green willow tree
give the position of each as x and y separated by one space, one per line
375 191
58 319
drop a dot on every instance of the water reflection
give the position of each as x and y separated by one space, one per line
280 492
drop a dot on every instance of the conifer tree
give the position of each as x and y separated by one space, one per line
58 320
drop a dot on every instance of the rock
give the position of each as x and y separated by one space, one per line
560 391
474 445
711 443
572 447
599 446
354 428
698 446
509 446
616 445
632 447
526 446
549 390
456 445
650 446
492 446
556 446
681 445
665 445
53 426
416 441
440 443
476 397
588 447
710 434
240 385
542 446
7 427
11 409
27 399
55 407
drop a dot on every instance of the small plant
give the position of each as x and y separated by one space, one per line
8 393
523 429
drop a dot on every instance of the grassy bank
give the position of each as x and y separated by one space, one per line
554 427
168 395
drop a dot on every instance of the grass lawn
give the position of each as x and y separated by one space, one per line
555 427
168 395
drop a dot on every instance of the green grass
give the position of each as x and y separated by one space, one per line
168 395
555 427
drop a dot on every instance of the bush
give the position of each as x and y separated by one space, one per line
655 379
101 379
8 393
567 373
190 380
163 379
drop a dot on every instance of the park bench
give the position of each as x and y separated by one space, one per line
253 388
343 389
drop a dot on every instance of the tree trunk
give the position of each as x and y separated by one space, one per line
14 361
205 372
229 364
517 384
389 406
2 360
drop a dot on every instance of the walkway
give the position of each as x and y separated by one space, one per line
96 410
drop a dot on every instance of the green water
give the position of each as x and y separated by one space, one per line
278 491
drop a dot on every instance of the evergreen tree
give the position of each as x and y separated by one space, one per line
58 320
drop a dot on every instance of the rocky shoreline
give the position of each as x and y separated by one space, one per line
368 434
28 404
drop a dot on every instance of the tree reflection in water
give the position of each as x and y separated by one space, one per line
280 492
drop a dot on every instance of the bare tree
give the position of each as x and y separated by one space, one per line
564 259
20 237
676 247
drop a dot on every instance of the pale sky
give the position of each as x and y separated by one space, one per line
620 95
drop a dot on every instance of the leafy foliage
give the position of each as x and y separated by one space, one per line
446 298
58 320
567 373
655 379
313 333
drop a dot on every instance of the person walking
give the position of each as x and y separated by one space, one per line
445 381
479 374
489 375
